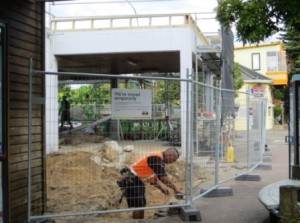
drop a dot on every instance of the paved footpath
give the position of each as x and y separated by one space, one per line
244 206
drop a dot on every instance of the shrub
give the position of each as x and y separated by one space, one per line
277 111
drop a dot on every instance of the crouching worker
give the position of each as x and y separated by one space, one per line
149 169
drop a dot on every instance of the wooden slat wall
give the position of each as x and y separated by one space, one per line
24 20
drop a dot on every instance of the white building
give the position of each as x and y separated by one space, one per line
151 44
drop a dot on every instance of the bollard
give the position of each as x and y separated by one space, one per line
296 172
230 153
288 201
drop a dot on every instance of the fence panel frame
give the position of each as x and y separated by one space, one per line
188 136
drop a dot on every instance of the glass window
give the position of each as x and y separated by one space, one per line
276 61
272 61
255 61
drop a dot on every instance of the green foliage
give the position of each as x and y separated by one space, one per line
64 90
277 111
292 43
85 93
238 80
88 97
256 20
278 94
167 91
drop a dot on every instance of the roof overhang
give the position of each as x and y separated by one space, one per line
121 63
209 59
144 63
258 81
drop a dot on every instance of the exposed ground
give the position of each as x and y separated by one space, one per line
82 177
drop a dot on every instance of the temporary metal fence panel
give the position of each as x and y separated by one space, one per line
224 146
241 134
81 173
243 137
256 130
206 115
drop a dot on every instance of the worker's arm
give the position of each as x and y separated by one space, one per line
158 185
168 182
158 166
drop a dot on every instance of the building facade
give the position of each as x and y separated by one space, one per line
22 39
267 59
258 85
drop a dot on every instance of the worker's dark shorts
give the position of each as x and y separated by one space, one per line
135 193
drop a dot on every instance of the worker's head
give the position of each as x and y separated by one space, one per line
64 97
171 155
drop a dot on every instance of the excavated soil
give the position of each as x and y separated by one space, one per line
81 177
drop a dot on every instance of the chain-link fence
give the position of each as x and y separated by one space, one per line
83 173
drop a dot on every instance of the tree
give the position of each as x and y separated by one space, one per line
292 43
256 20
167 91
278 94
64 90
238 80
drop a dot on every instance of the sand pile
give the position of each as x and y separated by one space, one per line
84 181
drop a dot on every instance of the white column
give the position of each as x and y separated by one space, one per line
52 142
186 70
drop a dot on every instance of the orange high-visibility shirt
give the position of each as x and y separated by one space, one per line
143 170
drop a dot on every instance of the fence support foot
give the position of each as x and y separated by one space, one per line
189 213
248 177
43 220
267 156
219 192
264 166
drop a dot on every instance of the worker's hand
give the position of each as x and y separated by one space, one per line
179 196
178 191
164 191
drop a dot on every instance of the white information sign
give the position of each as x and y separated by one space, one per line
131 104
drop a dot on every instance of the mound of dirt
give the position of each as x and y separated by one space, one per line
85 181
80 138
